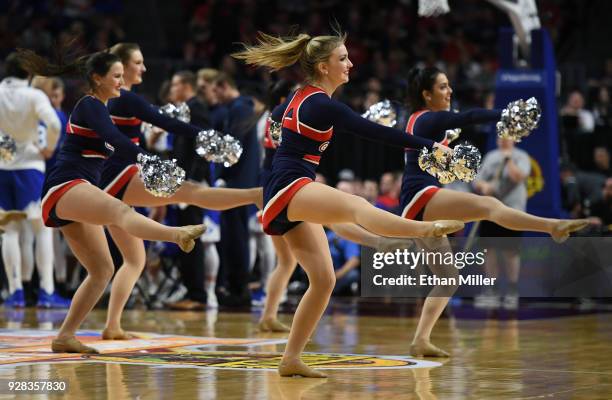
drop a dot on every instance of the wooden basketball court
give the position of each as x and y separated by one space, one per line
541 351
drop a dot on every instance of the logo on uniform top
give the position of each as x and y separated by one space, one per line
323 146
109 146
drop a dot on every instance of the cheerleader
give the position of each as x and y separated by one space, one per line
295 205
423 199
72 201
119 179
285 260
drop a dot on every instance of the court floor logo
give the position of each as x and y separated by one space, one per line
264 361
26 347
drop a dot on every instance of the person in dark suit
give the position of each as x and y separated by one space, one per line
240 122
183 89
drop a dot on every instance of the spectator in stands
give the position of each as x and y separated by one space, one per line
370 190
345 186
601 158
575 108
606 80
602 209
580 190
346 174
602 109
388 199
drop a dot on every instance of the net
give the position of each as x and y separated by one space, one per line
432 8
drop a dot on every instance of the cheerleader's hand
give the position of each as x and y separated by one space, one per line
443 148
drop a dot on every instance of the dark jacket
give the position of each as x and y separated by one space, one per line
196 168
241 122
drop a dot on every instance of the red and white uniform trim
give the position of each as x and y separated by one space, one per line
281 200
54 194
129 121
412 121
419 201
121 180
292 122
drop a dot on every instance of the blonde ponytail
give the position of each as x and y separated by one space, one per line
274 52
277 53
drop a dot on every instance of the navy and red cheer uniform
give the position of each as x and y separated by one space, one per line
309 118
91 138
128 111
418 187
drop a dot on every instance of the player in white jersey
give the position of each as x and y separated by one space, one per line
22 108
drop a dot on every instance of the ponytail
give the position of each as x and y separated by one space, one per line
419 80
35 64
277 53
274 52
84 66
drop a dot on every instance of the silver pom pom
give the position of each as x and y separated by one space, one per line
161 178
462 164
436 163
465 162
276 131
446 177
7 148
518 119
382 113
219 148
179 111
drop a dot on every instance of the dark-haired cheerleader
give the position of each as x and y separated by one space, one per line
72 201
423 199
